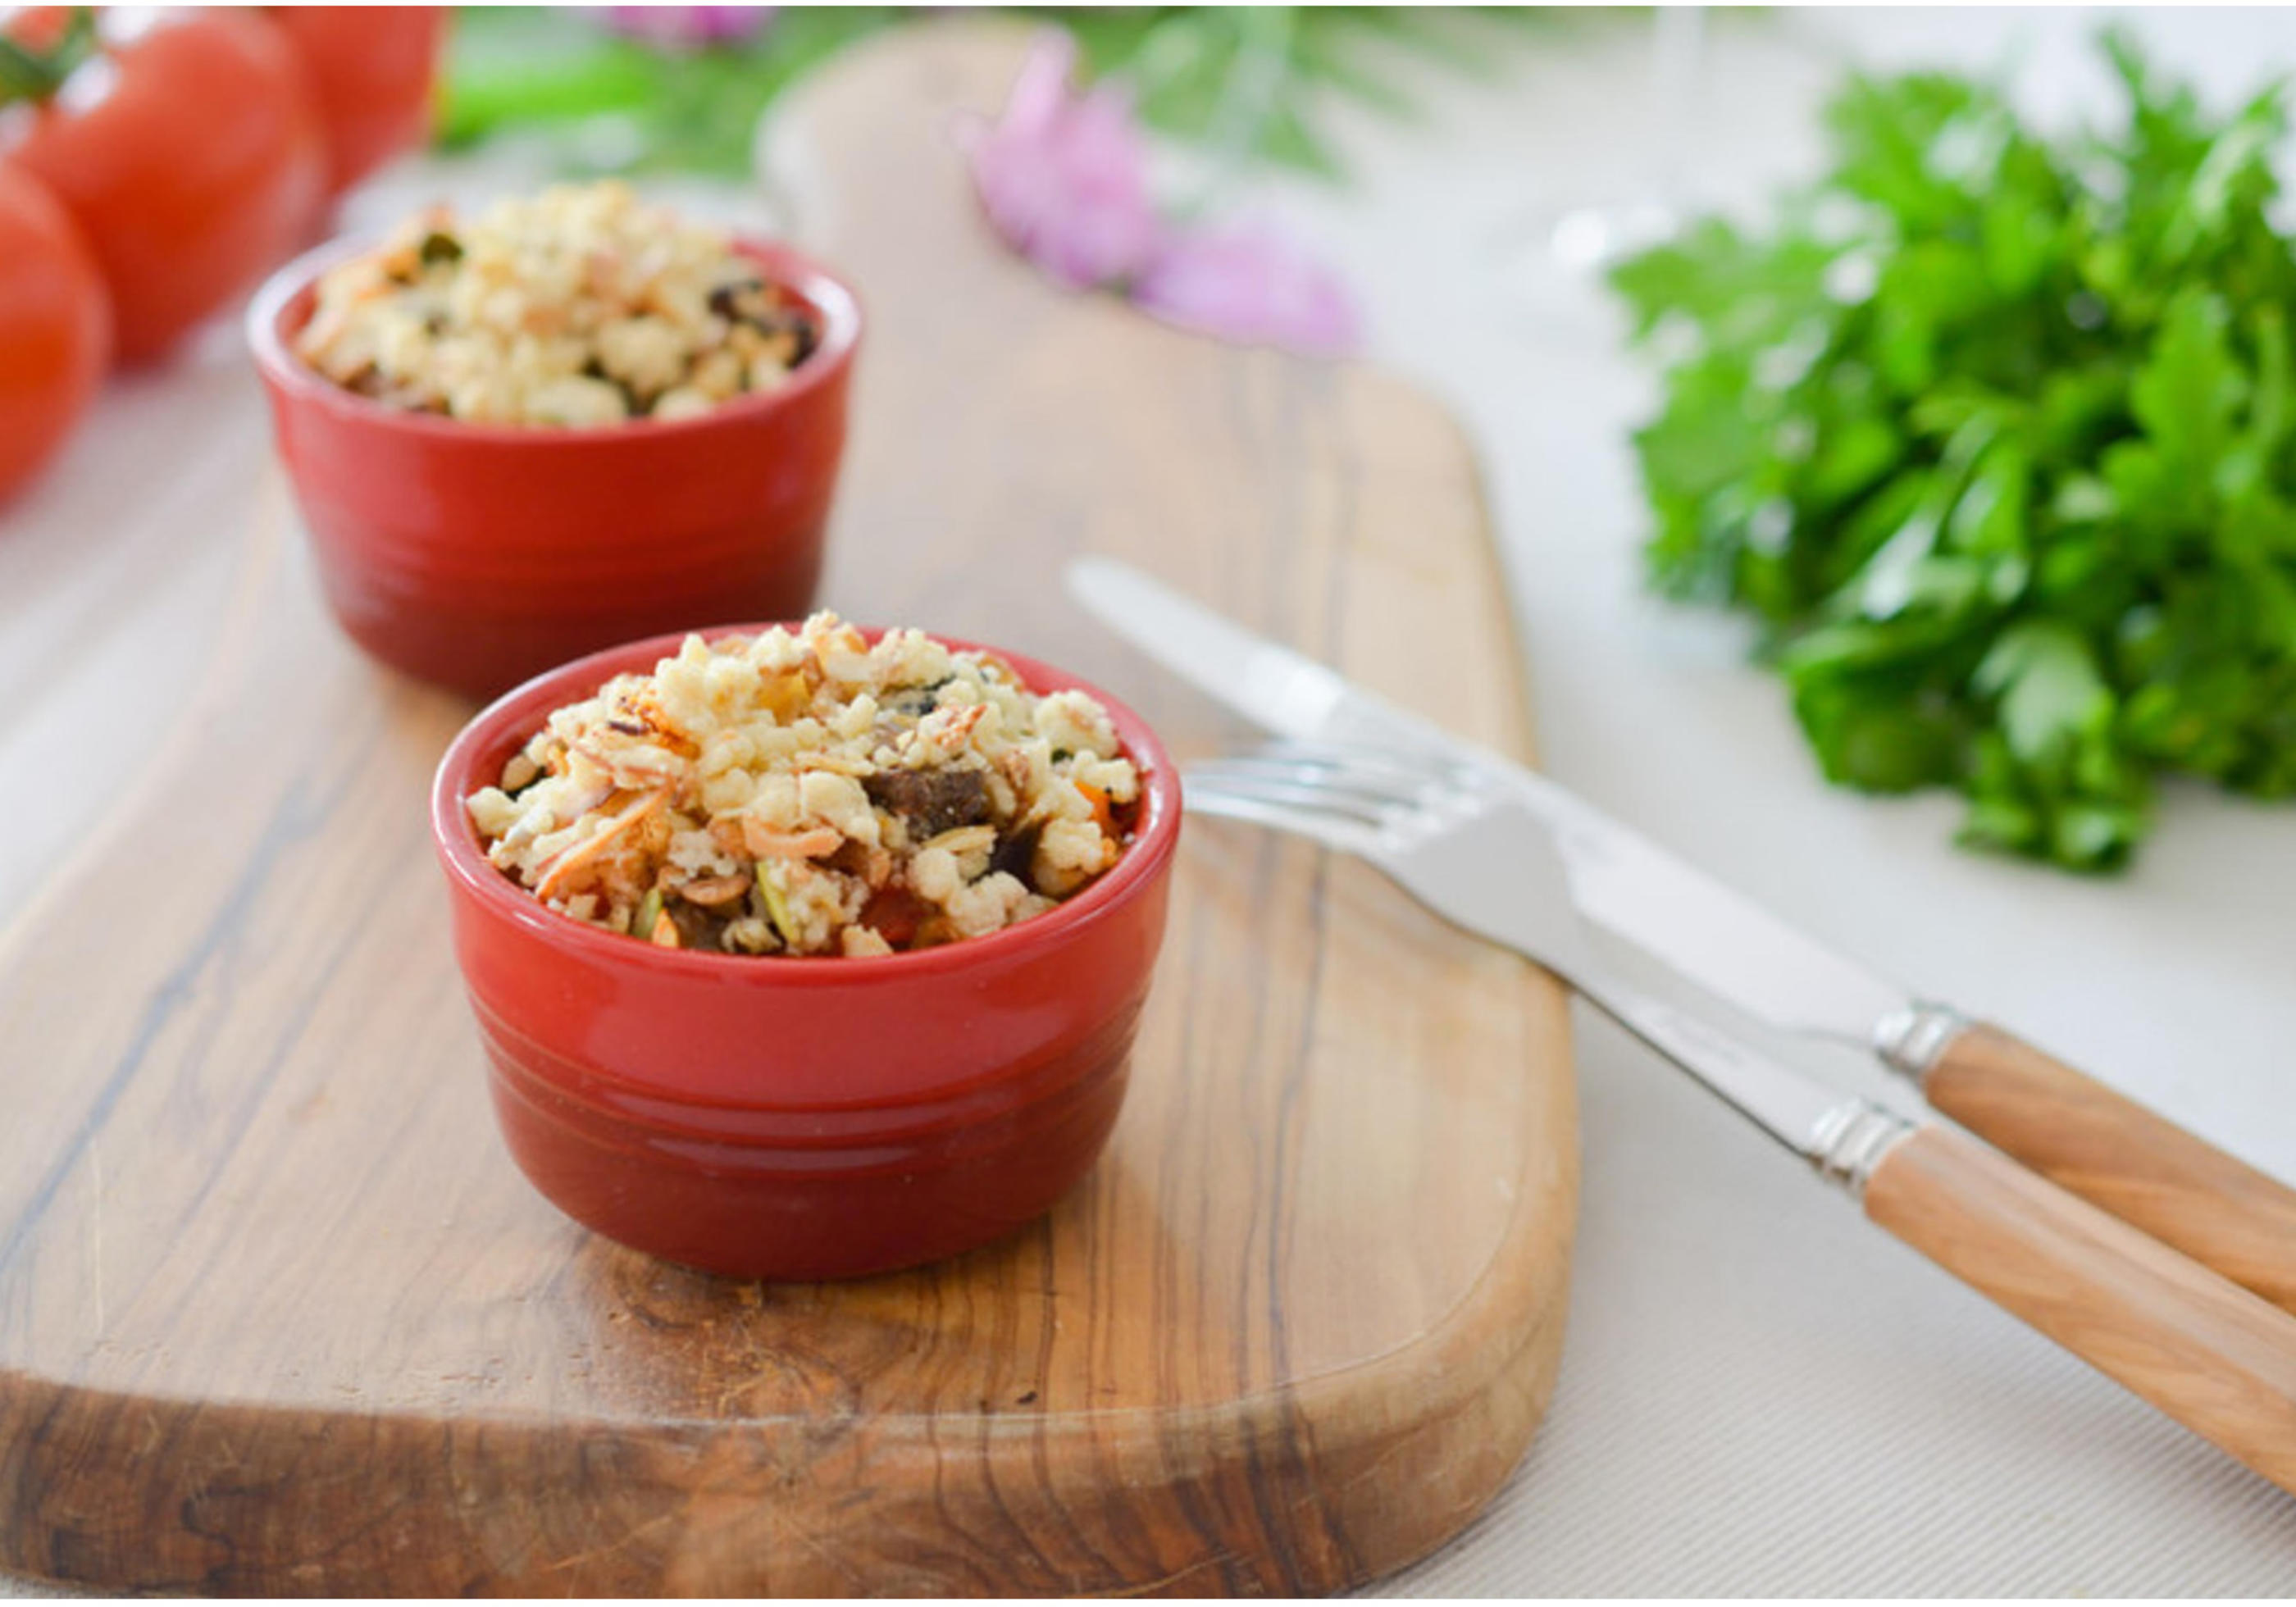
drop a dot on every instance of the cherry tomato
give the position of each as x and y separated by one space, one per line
56 327
188 150
373 68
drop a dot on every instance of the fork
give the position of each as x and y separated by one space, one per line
2205 1351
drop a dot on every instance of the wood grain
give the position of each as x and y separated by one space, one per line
2205 1351
2116 1154
276 1313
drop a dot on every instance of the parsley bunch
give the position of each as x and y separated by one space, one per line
1996 435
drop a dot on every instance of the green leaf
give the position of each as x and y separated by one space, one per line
2049 691
1869 735
2185 394
1993 429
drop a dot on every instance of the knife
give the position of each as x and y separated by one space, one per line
2072 1129
2214 1356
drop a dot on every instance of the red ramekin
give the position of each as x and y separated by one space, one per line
802 1118
475 555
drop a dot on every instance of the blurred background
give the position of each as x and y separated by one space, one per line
1911 546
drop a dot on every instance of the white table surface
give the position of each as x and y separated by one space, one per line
1759 1394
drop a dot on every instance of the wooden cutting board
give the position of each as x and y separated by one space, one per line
277 1313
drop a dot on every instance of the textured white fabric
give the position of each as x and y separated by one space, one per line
1763 1394
1760 1393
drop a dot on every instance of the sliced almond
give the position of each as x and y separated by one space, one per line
710 892
960 840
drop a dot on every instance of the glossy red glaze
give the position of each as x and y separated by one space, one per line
475 555
802 1118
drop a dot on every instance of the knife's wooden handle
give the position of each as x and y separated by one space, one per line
2119 1156
2208 1353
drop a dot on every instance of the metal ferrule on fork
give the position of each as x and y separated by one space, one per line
1850 1140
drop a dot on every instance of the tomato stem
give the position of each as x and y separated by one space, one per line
21 77
27 74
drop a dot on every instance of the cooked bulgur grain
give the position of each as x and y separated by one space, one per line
579 306
813 794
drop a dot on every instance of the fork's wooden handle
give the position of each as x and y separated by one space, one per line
2119 1156
2211 1355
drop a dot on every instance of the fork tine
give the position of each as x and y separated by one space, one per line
1406 777
1361 761
1342 761
1345 796
1367 777
1309 819
1283 783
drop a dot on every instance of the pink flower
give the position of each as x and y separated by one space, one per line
1064 177
1252 286
689 26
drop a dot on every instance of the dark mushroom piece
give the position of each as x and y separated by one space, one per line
764 309
728 301
698 928
1016 855
929 802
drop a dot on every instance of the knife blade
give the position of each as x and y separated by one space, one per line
1624 884
2076 1131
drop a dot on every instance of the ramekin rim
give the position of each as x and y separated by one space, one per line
822 286
1154 841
